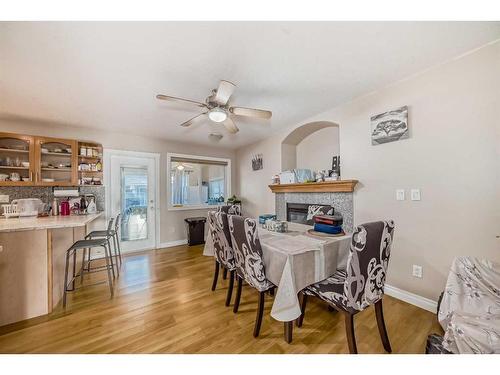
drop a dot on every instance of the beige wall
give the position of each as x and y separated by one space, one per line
452 155
316 150
172 222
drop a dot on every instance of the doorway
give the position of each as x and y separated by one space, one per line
132 189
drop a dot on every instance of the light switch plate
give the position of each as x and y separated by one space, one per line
417 271
400 194
4 198
415 194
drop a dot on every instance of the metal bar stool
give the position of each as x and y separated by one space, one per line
87 244
106 234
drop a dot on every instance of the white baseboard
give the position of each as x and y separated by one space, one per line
173 243
414 299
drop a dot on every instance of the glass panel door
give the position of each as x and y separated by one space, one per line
134 203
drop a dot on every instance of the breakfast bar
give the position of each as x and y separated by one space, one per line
32 259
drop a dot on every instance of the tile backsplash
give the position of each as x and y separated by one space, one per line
46 193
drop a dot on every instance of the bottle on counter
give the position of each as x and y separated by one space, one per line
92 208
83 205
55 207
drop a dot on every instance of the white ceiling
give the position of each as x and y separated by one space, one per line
106 75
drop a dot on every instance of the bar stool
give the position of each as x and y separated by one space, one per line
107 235
87 244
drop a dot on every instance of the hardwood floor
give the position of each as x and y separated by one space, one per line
163 303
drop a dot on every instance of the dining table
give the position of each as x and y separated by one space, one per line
294 260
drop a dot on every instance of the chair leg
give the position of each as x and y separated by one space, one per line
109 267
224 274
216 275
230 288
111 258
260 312
88 259
66 270
303 305
349 330
115 256
379 312
73 286
119 249
238 294
82 269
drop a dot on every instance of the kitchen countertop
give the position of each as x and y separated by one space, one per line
49 222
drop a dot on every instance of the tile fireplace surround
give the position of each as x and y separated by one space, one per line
342 203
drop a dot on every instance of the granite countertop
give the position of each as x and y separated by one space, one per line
49 222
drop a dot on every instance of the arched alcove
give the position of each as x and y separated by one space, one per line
311 146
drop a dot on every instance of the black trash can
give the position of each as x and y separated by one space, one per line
195 230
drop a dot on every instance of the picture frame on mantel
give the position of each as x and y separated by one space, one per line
390 126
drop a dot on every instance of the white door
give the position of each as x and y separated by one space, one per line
132 192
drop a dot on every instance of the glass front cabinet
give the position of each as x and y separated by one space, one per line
56 162
17 160
37 161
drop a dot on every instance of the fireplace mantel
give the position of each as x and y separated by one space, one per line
341 186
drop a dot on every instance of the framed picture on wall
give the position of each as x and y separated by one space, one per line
257 162
390 126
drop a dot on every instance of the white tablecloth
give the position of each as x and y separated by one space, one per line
470 309
294 260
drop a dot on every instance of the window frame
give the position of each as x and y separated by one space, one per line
205 158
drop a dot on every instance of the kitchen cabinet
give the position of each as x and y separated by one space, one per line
56 162
17 160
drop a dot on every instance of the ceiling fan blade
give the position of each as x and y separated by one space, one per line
224 92
192 120
230 126
175 99
251 112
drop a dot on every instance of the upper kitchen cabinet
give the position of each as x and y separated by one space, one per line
56 162
17 160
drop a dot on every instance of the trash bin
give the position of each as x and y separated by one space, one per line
195 230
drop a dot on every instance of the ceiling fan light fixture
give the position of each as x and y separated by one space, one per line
217 115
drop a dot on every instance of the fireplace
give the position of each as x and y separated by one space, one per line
297 212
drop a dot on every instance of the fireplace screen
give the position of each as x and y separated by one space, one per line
297 212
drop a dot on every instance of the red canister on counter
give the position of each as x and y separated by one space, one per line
65 208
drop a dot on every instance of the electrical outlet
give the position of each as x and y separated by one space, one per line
417 271
4 198
415 194
400 194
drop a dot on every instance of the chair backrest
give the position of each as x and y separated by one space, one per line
231 209
110 224
318 209
247 251
219 230
367 264
117 222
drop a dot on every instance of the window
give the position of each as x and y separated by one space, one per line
197 181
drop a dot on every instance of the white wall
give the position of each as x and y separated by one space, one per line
317 150
172 222
452 155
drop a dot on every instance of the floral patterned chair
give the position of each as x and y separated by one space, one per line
224 254
362 284
231 209
249 263
317 209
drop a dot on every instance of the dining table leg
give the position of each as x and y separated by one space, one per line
288 331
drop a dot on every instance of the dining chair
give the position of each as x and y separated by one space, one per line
224 255
362 284
249 263
231 209
318 209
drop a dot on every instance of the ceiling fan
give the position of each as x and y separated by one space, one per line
217 107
